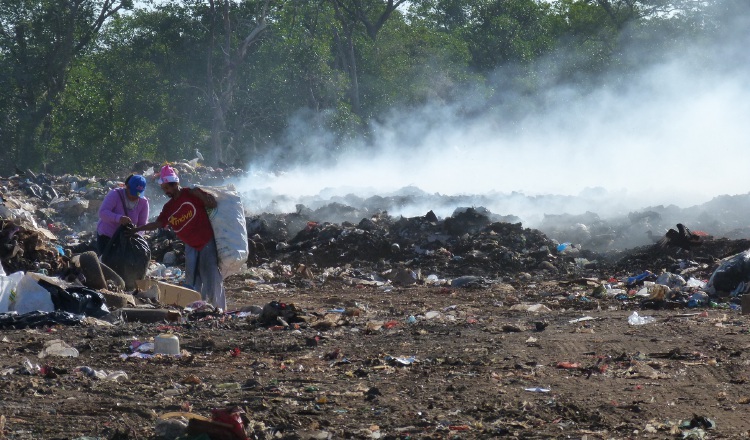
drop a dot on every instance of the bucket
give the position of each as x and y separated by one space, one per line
166 344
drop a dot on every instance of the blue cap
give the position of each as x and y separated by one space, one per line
136 185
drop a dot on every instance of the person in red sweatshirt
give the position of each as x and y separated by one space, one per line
185 213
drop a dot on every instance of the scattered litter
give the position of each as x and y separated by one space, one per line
538 390
583 319
400 360
58 348
636 319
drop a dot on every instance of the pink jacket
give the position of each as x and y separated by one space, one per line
112 209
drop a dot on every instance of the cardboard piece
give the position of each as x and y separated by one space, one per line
169 293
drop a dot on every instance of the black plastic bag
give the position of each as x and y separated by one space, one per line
128 255
733 271
38 319
78 300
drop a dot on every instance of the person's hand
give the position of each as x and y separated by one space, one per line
129 232
125 220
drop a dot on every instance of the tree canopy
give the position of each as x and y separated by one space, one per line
95 85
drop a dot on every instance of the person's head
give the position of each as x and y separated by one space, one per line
169 181
171 189
135 185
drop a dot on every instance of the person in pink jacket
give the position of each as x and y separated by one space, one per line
122 206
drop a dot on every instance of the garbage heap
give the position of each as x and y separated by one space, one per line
67 206
467 243
46 221
48 271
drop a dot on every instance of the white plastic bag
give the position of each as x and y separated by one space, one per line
58 347
8 284
30 297
230 230
635 319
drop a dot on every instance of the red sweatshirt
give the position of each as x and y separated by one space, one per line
188 218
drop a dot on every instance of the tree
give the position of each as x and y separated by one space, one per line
613 38
39 39
372 14
411 65
445 15
292 99
623 12
227 53
503 32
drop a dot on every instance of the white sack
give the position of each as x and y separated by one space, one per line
230 230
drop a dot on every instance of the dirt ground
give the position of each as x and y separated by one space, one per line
480 369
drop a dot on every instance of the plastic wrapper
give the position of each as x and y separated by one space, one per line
78 300
38 319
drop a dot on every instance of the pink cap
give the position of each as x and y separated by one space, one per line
168 175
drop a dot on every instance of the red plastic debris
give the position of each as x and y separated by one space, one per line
459 427
233 418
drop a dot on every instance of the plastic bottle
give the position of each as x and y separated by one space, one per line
158 270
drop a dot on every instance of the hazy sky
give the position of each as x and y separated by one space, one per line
676 134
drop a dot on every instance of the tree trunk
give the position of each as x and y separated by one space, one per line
349 13
348 60
353 75
218 127
221 89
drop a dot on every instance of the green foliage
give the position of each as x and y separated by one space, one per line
409 65
95 96
509 31
39 41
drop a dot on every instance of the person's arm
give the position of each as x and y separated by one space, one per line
107 210
156 224
207 198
